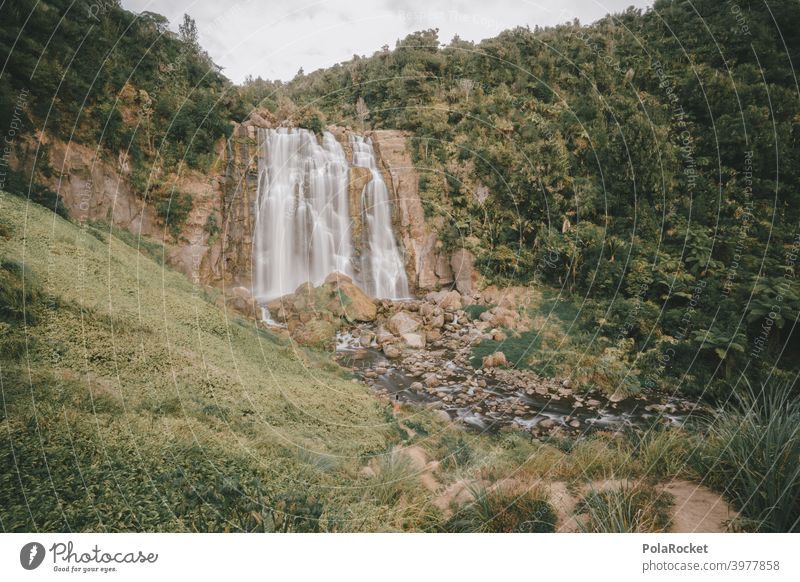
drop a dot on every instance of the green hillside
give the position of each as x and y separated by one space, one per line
133 402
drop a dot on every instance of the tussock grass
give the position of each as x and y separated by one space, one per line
396 476
630 508
497 510
752 455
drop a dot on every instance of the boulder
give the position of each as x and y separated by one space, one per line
383 336
403 322
436 321
495 360
392 351
242 301
413 340
353 304
433 335
337 277
462 263
447 300
280 308
451 301
316 333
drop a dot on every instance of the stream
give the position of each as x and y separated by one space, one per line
487 400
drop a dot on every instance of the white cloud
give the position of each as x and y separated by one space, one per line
274 39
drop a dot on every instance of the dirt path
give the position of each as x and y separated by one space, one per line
698 509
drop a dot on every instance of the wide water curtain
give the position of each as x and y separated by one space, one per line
383 273
302 230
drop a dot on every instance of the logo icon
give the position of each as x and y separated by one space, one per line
31 555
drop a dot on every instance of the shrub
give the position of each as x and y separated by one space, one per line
174 210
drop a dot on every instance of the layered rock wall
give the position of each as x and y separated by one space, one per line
214 246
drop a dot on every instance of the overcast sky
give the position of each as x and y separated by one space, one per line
275 38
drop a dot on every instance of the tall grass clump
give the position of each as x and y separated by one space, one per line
497 511
752 455
395 476
631 508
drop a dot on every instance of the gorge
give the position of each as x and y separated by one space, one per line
374 294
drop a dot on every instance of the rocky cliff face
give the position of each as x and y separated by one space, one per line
214 246
427 265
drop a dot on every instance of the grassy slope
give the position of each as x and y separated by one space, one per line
135 368
131 402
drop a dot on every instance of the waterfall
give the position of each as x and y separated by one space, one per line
303 225
383 272
302 229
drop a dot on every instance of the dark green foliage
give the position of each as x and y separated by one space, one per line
18 184
174 210
637 508
752 454
623 167
474 311
84 69
517 347
496 511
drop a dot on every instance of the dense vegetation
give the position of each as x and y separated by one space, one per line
645 166
642 172
93 73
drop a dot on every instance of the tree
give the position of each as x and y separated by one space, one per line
362 111
188 32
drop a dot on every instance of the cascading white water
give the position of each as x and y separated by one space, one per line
383 273
302 229
303 224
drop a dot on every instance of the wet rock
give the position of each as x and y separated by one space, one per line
392 351
417 386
